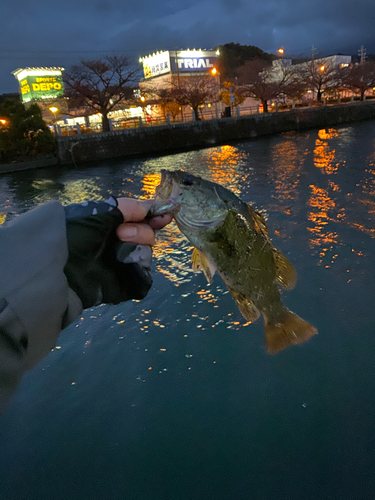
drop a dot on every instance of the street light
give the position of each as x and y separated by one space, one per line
322 68
3 121
214 71
54 111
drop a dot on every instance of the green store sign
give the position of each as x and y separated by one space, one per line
41 87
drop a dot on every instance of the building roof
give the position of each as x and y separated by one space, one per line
38 68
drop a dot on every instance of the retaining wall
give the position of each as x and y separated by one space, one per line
158 139
38 162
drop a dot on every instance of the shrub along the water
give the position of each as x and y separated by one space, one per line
23 132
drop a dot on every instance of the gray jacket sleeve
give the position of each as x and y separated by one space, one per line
36 302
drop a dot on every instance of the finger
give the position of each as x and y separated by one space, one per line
142 234
160 221
134 210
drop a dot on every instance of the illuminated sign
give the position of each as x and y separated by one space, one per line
156 64
188 61
194 61
40 83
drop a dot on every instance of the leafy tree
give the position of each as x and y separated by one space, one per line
173 108
234 55
360 77
231 94
101 84
23 132
263 81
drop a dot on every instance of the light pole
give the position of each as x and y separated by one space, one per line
54 110
215 73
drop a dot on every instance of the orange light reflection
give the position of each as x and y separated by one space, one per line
324 157
150 181
222 164
321 203
287 163
368 191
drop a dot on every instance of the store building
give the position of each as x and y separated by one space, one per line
43 86
165 69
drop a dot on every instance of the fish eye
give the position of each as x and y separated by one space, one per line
187 182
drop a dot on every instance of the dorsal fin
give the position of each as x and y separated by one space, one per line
259 222
200 262
286 275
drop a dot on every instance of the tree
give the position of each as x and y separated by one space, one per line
23 132
173 108
234 55
161 95
231 94
102 84
319 75
360 77
262 81
195 91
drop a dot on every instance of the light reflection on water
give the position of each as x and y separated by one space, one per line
283 191
238 169
181 375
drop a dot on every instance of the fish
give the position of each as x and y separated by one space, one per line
231 238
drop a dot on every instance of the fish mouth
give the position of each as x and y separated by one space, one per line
166 195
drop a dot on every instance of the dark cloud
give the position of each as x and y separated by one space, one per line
61 33
231 5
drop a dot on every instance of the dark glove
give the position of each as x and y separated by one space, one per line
100 268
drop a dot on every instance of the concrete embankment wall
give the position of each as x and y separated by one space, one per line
150 140
38 162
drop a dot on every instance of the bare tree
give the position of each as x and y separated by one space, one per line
318 75
260 80
101 84
195 91
360 77
160 95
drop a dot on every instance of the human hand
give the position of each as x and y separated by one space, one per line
135 229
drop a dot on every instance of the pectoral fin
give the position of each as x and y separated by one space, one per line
286 275
246 306
200 262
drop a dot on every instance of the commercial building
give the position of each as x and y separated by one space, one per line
166 69
329 65
44 86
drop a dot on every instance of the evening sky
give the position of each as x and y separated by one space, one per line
40 33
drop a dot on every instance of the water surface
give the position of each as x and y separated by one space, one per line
172 397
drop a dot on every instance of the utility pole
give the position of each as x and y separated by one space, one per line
178 72
178 77
362 54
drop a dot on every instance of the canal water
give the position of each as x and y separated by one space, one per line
174 397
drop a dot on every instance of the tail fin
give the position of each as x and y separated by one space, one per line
292 330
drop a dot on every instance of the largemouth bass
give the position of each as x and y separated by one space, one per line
230 237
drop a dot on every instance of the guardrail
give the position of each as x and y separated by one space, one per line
204 114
